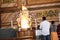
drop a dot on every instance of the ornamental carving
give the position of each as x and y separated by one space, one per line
40 1
47 13
8 1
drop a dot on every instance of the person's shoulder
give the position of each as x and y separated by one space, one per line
42 22
48 22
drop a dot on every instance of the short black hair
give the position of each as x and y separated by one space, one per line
52 22
43 18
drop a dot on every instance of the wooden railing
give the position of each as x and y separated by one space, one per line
22 35
53 37
17 39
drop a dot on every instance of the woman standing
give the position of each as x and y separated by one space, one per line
53 27
53 31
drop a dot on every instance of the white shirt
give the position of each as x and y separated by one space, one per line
45 26
38 32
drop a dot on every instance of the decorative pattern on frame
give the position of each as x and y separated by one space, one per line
30 2
47 13
8 1
52 13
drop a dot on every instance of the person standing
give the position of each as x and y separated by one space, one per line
53 31
45 29
53 27
58 27
38 33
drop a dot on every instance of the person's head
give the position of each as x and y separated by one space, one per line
43 18
52 22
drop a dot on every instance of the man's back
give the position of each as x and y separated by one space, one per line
45 26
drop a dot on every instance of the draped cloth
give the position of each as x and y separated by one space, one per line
54 36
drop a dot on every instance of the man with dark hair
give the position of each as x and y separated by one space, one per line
44 18
45 29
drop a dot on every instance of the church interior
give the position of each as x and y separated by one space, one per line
19 18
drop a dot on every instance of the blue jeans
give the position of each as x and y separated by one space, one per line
45 37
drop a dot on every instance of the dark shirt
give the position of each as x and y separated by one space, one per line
58 28
53 28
